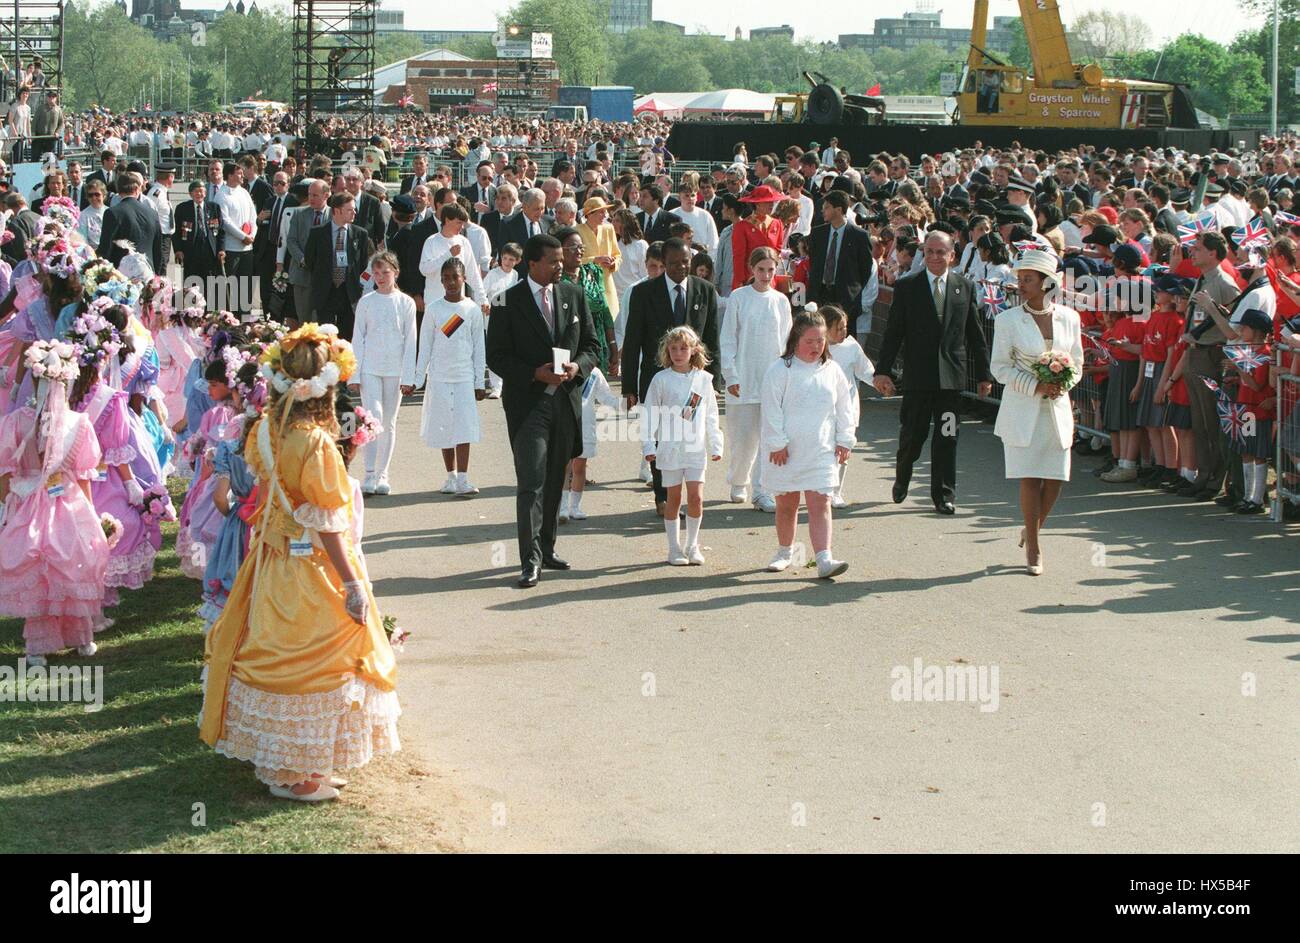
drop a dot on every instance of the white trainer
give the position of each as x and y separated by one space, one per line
644 474
87 650
577 514
739 495
837 501
678 558
780 562
383 487
368 486
449 486
765 503
694 556
465 489
828 568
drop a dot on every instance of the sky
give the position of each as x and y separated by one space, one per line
826 19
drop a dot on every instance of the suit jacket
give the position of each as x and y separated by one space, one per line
198 240
1024 415
319 256
519 341
492 223
370 217
295 244
23 226
471 193
935 356
514 227
650 316
134 220
267 239
714 207
663 222
852 269
408 182
110 185
411 279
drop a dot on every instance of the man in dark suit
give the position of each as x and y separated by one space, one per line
106 174
505 205
654 219
131 219
655 306
710 201
543 408
839 259
935 320
369 216
530 220
197 239
419 173
481 194
270 225
337 253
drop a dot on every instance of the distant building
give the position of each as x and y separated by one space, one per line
770 32
627 15
922 28
440 78
166 20
664 24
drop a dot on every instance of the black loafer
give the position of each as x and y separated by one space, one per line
946 507
1205 494
555 563
1250 507
529 577
899 493
1226 501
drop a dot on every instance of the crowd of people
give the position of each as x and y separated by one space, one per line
1156 306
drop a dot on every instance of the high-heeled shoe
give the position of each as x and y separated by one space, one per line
1022 538
1035 569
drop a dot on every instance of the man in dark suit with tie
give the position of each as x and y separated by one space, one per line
710 201
419 173
106 174
482 195
337 253
839 259
269 227
530 219
134 221
77 185
197 238
505 196
935 320
654 219
543 408
655 306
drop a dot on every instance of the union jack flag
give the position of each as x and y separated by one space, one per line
995 297
1026 244
1246 356
490 87
1092 343
1188 232
1286 219
1255 234
1232 416
405 100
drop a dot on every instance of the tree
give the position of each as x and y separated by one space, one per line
107 58
660 60
204 94
1260 44
1019 54
395 47
1104 34
476 47
579 32
1220 81
257 54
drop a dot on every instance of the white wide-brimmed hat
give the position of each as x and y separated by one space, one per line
1037 260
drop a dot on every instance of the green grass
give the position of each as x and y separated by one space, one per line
126 778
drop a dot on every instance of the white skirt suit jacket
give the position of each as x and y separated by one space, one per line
1024 418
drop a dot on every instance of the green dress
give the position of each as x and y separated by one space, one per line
591 278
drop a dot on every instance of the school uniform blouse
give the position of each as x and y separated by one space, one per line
681 427
383 338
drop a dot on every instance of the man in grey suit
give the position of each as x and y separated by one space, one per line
295 244
530 220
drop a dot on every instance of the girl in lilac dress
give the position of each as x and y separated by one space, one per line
53 548
200 521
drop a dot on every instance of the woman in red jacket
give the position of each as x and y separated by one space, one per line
759 229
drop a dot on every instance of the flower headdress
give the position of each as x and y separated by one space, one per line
96 338
62 210
218 322
54 255
105 280
55 361
339 368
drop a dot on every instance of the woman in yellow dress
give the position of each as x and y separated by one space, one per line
300 677
600 245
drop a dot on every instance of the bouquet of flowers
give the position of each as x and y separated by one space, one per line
397 635
366 427
1054 366
55 361
112 529
157 505
280 282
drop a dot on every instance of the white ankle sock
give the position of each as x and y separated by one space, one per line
672 530
693 530
575 500
462 477
1125 463
564 500
1257 481
785 552
823 555
1189 473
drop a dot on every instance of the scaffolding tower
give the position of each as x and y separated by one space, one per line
28 31
333 58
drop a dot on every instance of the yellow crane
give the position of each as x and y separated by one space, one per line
1059 93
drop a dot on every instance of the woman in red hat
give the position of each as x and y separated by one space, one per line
759 229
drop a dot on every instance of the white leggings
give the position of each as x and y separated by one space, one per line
744 425
381 397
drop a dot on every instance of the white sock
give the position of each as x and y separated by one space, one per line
693 531
1125 463
1258 483
785 552
575 500
462 477
1188 473
823 556
564 500
672 530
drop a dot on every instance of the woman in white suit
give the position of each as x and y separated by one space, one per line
1035 420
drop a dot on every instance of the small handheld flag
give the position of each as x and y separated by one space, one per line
1245 356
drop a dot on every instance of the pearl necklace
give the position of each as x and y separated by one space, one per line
1035 313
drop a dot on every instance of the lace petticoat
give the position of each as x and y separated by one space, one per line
289 737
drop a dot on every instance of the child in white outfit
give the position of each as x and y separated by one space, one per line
680 433
495 284
384 343
595 392
807 431
858 368
452 360
753 334
450 242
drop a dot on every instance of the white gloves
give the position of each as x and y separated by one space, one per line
357 602
134 493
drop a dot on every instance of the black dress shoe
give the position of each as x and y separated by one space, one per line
946 507
1226 501
900 492
1205 494
529 577
1250 507
555 563
1187 489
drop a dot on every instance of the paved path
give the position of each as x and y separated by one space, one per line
629 706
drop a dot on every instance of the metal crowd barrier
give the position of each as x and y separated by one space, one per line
1287 432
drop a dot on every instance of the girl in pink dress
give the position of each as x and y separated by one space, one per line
178 345
200 520
53 549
